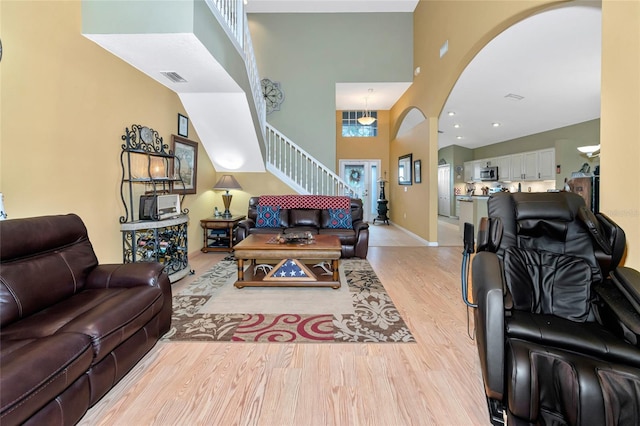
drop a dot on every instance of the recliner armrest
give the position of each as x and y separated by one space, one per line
488 294
126 275
247 224
360 225
628 282
132 275
243 229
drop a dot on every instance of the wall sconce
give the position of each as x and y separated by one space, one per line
226 183
590 150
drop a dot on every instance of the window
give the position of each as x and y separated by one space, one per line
352 129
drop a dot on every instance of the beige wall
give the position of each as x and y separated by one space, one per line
65 104
409 205
469 25
620 127
365 148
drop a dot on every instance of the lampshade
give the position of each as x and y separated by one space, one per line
366 120
227 182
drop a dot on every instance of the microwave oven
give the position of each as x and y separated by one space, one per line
159 207
489 173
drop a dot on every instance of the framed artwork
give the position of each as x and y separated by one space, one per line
185 166
417 171
404 169
183 125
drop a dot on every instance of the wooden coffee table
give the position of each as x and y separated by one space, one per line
325 248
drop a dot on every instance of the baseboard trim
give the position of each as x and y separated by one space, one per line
422 240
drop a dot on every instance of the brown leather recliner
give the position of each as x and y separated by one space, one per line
557 321
70 328
355 240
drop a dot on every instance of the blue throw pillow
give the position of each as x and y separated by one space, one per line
340 218
268 217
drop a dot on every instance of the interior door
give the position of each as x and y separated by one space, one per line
444 190
362 176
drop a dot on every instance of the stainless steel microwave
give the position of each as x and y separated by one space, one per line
489 173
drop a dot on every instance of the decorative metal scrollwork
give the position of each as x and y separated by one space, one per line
135 142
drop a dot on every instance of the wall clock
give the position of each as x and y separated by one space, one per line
273 95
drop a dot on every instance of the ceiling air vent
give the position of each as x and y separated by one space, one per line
173 76
514 97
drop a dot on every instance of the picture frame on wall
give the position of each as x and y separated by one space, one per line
186 165
404 169
417 171
183 125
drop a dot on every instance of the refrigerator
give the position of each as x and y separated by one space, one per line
588 187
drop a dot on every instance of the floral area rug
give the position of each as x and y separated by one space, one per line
250 317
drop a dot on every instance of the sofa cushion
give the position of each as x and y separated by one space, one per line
30 284
301 230
304 217
269 231
268 217
107 316
339 218
35 371
347 236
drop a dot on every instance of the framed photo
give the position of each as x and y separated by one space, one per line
417 171
404 169
183 125
185 165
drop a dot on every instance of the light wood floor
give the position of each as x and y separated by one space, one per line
435 381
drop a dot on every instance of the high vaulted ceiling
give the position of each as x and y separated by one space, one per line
551 60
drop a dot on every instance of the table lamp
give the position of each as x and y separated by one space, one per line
226 183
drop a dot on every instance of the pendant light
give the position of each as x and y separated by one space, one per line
367 119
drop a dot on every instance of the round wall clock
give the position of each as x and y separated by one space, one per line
273 95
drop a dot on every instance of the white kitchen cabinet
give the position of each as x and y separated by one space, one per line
530 163
468 171
477 166
546 164
489 162
504 167
517 166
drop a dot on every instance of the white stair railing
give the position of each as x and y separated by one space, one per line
306 174
285 159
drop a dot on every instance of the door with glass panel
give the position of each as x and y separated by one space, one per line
362 176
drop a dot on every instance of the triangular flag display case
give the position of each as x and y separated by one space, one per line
290 270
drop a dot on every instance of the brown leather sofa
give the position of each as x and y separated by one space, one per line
355 240
70 328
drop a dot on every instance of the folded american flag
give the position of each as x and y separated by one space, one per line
290 270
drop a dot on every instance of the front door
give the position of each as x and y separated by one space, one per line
362 176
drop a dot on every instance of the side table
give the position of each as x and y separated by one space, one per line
218 233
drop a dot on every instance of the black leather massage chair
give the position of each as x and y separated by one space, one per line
557 320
